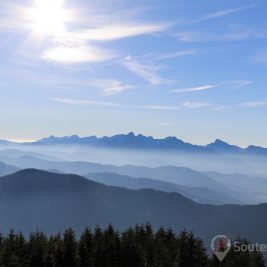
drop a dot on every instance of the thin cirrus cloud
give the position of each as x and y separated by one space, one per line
187 105
195 105
86 102
76 102
234 34
75 47
13 17
193 89
223 13
253 104
148 72
177 54
12 25
237 84
112 87
77 54
117 31
162 107
154 57
80 45
148 68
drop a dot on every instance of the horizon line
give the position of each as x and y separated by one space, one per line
30 141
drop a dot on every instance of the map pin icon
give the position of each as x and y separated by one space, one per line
220 246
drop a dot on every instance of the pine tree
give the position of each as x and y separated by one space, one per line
138 247
37 249
111 247
132 254
86 249
191 251
57 245
70 252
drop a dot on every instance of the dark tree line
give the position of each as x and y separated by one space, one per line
135 247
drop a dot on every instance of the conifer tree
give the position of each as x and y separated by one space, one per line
86 249
134 247
70 255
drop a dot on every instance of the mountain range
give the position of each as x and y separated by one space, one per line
198 194
133 141
203 187
32 199
60 182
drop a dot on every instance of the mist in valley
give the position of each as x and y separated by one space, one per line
209 178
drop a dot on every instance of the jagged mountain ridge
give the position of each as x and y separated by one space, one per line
140 141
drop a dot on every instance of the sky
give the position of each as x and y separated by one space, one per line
191 69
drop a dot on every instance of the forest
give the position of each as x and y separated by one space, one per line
140 246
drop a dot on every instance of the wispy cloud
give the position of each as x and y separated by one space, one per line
162 107
77 54
112 32
12 25
192 36
148 72
79 102
253 104
211 106
193 89
75 47
220 107
111 87
154 57
79 43
148 67
237 34
187 105
176 54
237 84
13 17
233 34
195 105
86 102
223 13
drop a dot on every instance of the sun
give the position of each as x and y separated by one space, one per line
49 17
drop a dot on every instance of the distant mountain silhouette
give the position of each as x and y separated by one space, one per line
257 150
198 194
255 187
252 191
179 175
140 141
220 145
7 169
16 153
4 142
124 141
33 199
143 142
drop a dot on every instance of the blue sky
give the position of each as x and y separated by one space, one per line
191 69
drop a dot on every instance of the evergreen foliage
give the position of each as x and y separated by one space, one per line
140 246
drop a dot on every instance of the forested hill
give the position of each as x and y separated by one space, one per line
140 246
33 199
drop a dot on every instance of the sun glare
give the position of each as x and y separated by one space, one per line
49 17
